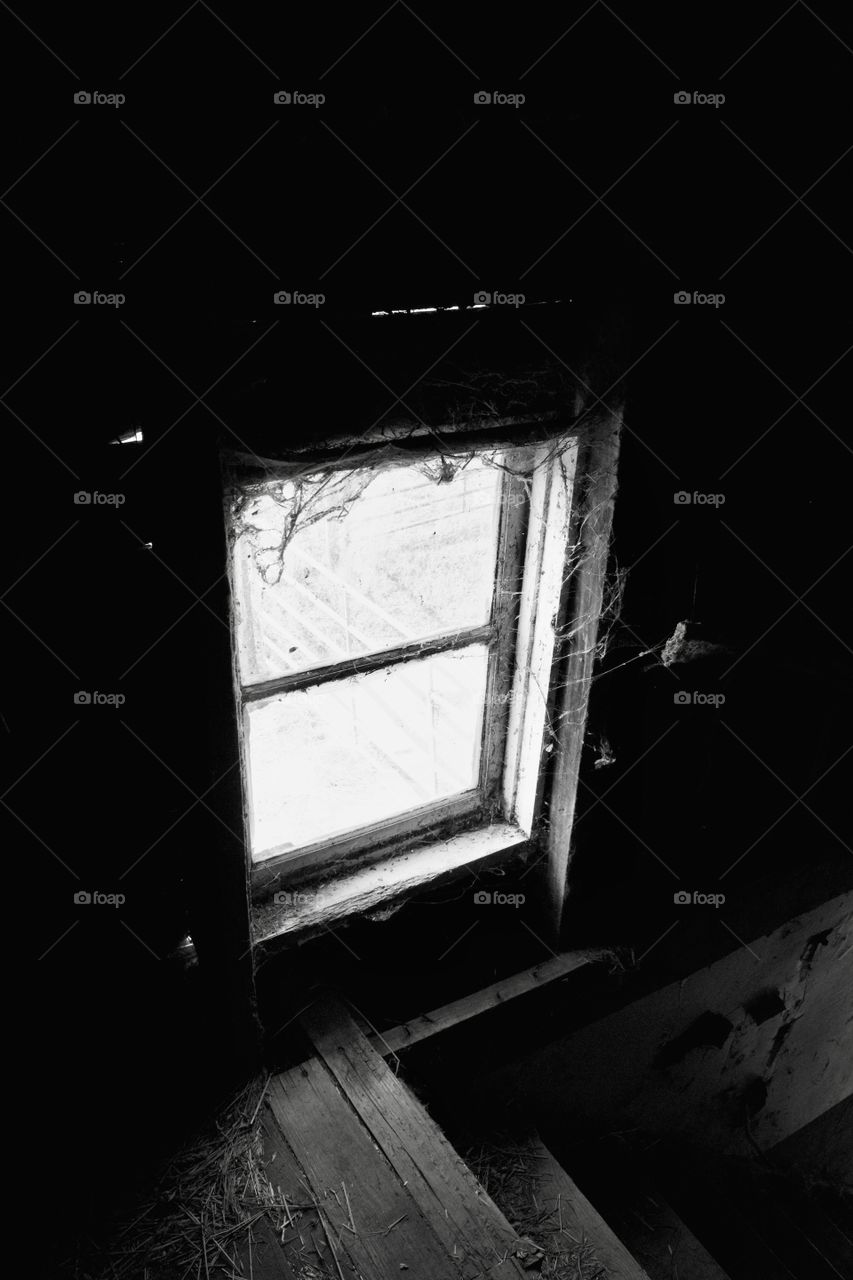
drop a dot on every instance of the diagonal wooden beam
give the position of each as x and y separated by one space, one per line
451 1015
464 1217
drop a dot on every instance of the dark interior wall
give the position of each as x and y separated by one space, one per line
712 409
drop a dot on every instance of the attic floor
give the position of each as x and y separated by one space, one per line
373 1187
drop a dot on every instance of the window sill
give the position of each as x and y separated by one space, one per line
296 914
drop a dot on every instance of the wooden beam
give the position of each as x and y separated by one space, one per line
265 1258
586 594
555 1190
466 1220
371 1224
450 1015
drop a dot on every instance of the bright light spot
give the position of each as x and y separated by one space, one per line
133 436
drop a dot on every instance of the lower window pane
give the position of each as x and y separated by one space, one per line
349 753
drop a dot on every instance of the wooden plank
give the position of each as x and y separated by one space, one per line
661 1241
825 1236
722 1220
372 1223
619 1183
267 1260
277 1256
445 1189
822 1149
579 1218
783 1218
586 596
376 885
450 1015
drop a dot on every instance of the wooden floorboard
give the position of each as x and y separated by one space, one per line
784 1218
442 1185
619 1184
266 1258
373 1226
578 1217
721 1220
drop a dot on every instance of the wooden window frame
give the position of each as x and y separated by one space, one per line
367 867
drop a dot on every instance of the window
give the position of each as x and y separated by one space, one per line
394 637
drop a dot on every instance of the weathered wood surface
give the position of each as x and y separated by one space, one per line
661 1241
780 1214
595 514
555 1189
283 1255
620 1183
491 997
266 1258
809 1038
723 1218
442 1186
372 1225
376 885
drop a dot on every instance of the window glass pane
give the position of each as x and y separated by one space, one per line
354 751
370 561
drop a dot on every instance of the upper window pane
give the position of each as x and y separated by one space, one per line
343 564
